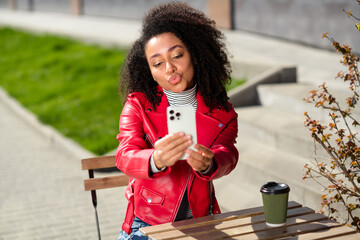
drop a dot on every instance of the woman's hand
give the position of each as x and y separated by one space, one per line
170 148
200 160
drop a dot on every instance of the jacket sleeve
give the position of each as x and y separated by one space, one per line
225 152
133 153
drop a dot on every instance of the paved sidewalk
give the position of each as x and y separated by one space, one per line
42 195
41 187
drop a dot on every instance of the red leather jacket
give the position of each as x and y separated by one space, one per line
155 198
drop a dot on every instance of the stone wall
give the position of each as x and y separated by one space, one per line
302 21
130 9
63 6
23 4
4 4
52 5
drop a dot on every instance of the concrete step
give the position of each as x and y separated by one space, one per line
259 163
289 97
276 128
274 144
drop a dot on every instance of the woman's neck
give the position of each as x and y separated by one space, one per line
187 97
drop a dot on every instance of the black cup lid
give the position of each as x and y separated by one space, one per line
274 188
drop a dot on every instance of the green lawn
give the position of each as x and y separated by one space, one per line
67 84
235 83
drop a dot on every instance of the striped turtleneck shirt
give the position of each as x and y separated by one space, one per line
184 98
187 97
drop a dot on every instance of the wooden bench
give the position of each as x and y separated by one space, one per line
92 184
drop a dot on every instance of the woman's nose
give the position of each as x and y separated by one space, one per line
170 68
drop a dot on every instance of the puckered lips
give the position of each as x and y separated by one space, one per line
174 79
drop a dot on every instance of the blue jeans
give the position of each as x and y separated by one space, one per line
135 234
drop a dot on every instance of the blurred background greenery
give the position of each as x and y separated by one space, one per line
69 85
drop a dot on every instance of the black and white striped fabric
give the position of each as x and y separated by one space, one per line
187 97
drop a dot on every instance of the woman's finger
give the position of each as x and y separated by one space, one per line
168 139
204 151
200 160
170 148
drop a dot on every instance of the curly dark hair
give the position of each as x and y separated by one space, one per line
204 42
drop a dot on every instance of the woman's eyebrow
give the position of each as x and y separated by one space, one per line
169 50
175 46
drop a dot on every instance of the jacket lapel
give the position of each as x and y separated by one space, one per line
209 124
157 118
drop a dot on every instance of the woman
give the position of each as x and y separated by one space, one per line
179 59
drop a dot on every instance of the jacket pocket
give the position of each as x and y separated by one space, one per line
151 197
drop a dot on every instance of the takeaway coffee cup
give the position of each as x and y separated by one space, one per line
275 199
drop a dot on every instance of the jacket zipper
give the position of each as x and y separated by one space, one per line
147 137
183 193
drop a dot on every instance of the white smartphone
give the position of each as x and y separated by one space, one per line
182 119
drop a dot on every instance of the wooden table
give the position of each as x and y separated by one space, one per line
302 223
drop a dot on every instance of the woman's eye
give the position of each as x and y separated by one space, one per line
178 56
157 64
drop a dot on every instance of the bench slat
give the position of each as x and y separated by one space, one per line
287 232
294 226
98 162
213 219
106 182
340 232
237 222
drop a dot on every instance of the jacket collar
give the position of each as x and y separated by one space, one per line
164 101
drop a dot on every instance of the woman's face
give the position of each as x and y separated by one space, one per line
170 62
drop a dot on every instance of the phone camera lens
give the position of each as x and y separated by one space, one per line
172 118
171 112
178 114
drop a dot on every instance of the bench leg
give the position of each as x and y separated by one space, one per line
94 201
